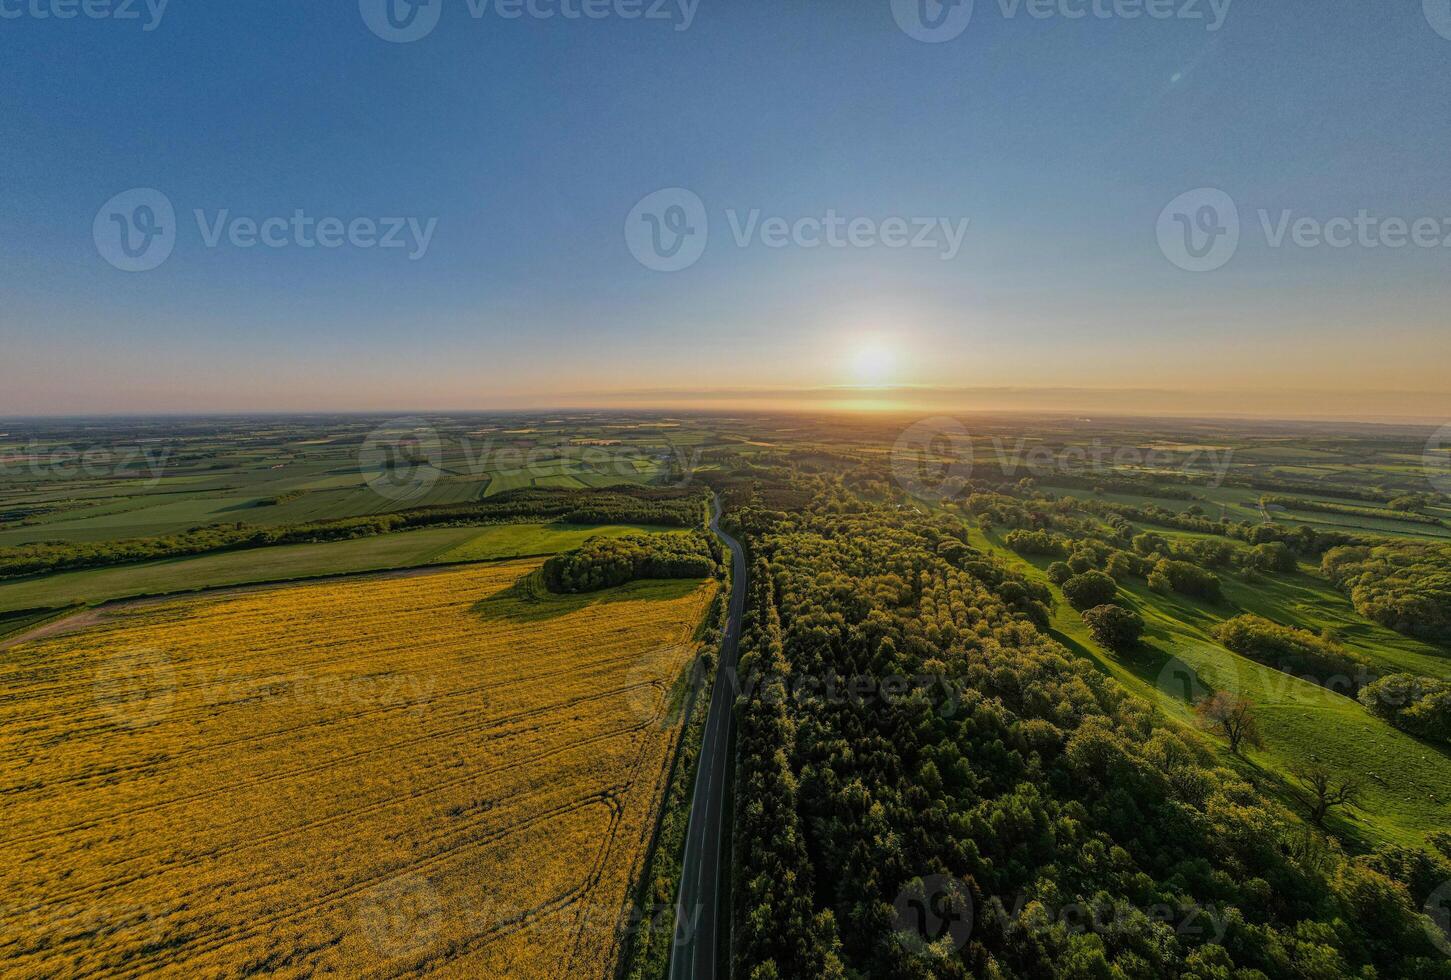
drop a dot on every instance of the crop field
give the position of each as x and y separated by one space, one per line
425 774
407 549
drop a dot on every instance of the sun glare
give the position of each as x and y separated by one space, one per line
873 365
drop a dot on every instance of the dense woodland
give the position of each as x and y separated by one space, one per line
1296 651
1418 705
1404 585
900 723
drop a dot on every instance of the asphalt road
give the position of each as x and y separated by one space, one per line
697 940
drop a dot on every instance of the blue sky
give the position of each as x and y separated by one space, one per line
530 140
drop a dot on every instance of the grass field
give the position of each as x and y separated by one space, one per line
1408 781
439 774
81 483
407 549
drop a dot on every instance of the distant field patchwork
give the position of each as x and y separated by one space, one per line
434 774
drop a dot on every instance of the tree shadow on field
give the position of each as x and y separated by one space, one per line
1146 661
528 601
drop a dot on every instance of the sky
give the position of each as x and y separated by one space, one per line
725 203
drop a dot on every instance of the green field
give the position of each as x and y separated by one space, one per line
409 549
153 479
1408 782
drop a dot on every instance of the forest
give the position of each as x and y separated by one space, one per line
1403 585
1043 788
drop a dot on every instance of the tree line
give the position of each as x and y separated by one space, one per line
633 505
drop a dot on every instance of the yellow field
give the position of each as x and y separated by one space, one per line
428 776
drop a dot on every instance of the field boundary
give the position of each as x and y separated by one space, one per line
642 958
655 917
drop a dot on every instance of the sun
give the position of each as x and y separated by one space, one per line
873 365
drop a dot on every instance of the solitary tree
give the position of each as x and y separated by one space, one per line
1230 716
1115 628
1089 589
1322 792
